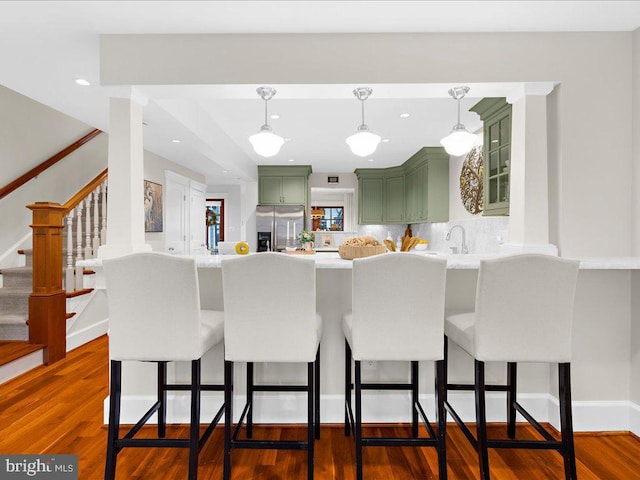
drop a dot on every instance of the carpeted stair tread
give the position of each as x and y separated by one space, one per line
13 327
17 277
14 301
13 319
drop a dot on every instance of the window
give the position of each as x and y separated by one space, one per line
328 218
214 218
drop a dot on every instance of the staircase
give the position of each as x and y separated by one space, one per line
14 300
84 230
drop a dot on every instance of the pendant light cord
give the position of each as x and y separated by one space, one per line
265 112
362 103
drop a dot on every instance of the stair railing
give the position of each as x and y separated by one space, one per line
88 235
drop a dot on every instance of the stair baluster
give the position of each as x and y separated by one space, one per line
69 279
103 232
96 232
88 252
79 279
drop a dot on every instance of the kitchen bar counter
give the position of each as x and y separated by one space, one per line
605 346
332 260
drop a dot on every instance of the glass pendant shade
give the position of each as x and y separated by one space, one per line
363 143
459 142
265 142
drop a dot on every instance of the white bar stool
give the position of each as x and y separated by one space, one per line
270 316
523 313
398 314
154 316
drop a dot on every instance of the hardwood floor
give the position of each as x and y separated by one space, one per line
58 409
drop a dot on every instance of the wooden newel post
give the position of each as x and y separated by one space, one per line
47 303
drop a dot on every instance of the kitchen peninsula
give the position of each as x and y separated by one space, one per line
601 367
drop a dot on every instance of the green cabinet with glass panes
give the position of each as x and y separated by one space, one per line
283 185
495 113
415 192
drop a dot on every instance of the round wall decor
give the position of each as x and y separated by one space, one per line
471 181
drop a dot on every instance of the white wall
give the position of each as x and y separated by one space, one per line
636 144
233 209
30 133
593 201
154 167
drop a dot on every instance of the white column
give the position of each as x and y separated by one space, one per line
528 185
125 210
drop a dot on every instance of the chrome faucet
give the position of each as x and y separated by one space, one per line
463 247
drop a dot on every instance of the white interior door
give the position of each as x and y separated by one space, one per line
197 222
175 208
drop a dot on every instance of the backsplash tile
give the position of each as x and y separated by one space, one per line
483 234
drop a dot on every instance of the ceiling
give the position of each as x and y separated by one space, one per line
44 46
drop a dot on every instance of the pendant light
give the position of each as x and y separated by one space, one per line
265 142
460 141
363 143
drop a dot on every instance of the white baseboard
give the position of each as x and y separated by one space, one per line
87 334
21 365
634 419
385 407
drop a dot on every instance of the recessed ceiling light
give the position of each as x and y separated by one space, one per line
291 160
274 116
287 139
225 171
175 141
82 81
371 160
385 140
405 115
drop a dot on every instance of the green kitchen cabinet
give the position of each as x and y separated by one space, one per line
394 198
496 116
370 199
283 185
415 192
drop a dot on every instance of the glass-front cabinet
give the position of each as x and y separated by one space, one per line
496 116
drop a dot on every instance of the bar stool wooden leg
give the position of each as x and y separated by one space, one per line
228 417
441 418
114 419
414 399
347 388
250 391
512 374
481 421
566 421
358 428
162 398
194 431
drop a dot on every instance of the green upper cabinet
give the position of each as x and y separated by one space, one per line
283 185
394 198
415 192
370 192
496 116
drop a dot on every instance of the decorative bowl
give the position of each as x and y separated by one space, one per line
421 247
349 253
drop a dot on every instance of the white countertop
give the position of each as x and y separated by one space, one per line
332 260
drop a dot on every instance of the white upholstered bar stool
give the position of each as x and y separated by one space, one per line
270 316
523 313
154 316
398 314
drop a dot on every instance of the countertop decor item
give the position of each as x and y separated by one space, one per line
471 183
307 237
242 248
359 247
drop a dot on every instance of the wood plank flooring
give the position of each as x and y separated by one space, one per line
58 409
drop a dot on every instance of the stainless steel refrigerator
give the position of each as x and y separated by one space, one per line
277 224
